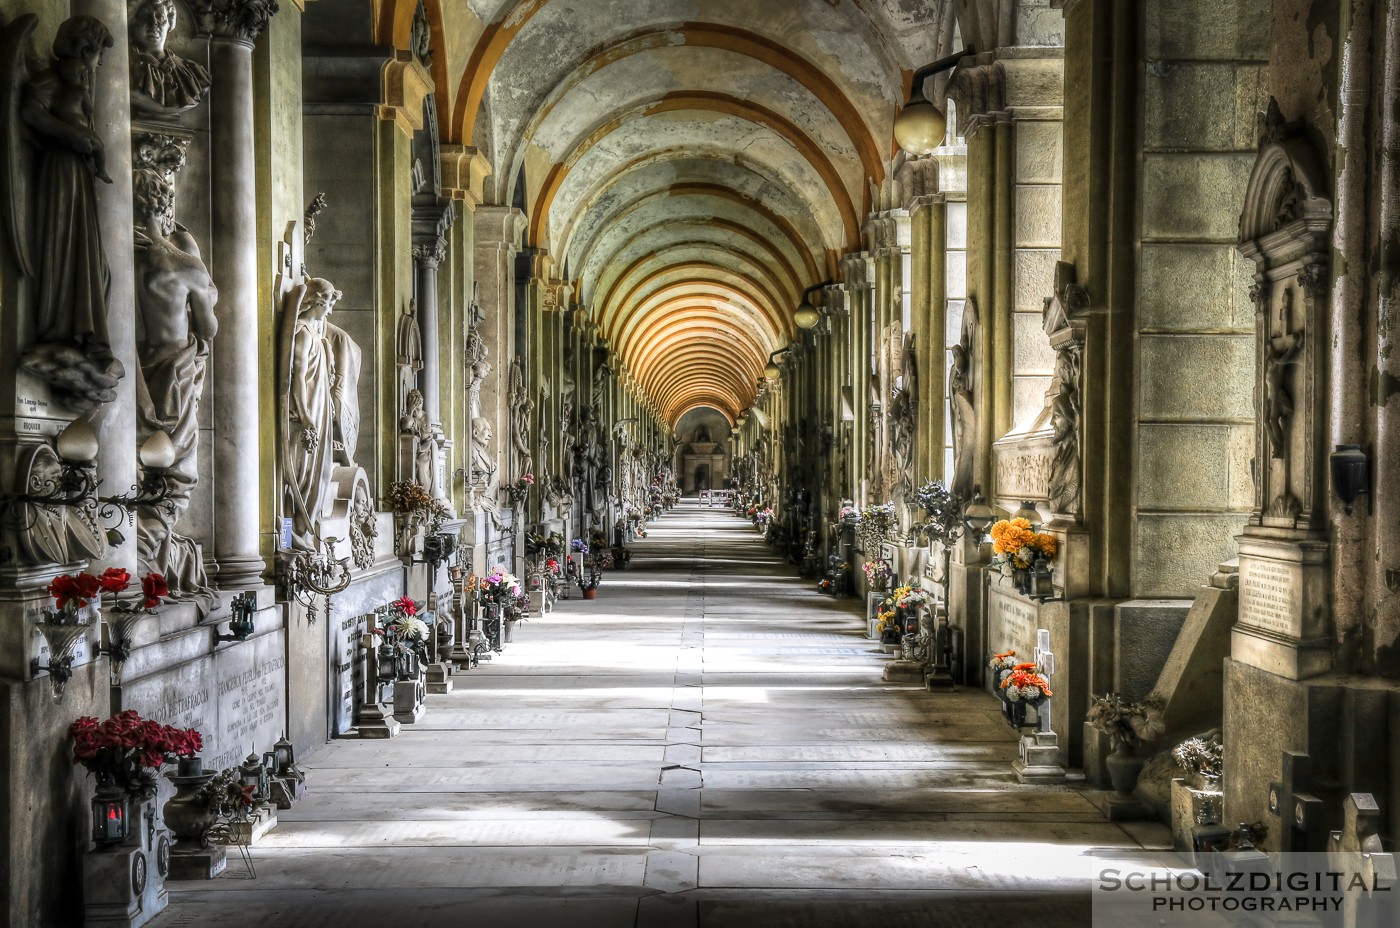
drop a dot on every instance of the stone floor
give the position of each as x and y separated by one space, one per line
706 744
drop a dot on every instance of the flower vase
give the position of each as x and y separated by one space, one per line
187 814
1016 712
1021 579
890 635
1124 768
510 630
590 592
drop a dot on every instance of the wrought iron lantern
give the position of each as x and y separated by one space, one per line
109 816
253 773
240 623
286 756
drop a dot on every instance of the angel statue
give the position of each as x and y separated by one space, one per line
70 349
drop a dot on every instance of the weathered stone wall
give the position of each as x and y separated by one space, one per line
1204 82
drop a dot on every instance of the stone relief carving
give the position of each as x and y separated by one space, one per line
70 350
1064 321
421 37
175 299
961 372
162 83
409 343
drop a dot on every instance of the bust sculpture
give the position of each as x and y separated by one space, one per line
162 83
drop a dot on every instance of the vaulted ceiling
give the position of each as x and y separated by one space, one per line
692 164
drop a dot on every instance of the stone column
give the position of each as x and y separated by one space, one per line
233 26
430 228
116 422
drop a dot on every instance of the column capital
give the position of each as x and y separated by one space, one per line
431 254
238 20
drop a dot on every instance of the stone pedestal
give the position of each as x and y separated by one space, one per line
125 885
250 832
374 722
198 863
1284 624
902 671
286 791
1193 811
408 701
1038 759
439 679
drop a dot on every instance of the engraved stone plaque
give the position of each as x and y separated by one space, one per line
347 671
1011 623
1268 596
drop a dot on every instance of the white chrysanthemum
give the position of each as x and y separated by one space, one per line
411 627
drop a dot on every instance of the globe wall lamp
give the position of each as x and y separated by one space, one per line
75 482
771 371
807 315
920 126
978 515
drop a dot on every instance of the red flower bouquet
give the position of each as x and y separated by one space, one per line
125 750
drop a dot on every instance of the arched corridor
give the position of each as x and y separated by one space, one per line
708 743
1051 343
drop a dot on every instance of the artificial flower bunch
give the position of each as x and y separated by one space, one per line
848 515
1019 545
72 592
403 619
1006 660
1025 682
501 585
407 496
912 598
1127 723
878 573
578 545
1203 755
123 750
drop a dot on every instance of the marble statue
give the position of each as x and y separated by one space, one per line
1063 490
308 421
71 350
414 425
521 408
162 83
345 396
476 354
964 411
175 298
1280 361
903 424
